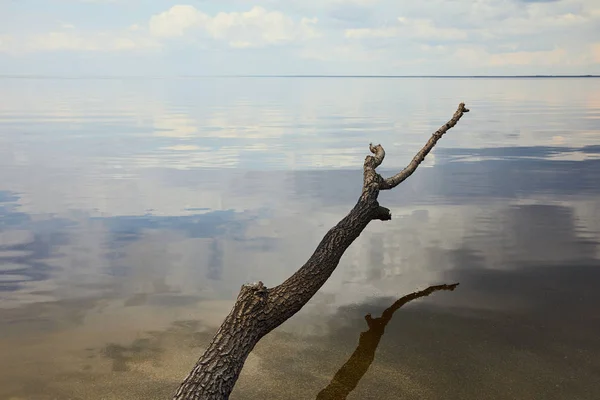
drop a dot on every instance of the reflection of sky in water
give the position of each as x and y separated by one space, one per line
126 206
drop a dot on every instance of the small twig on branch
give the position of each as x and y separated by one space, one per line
258 309
395 180
348 376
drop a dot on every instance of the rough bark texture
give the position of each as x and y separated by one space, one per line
347 377
258 310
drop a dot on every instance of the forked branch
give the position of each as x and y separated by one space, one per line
258 309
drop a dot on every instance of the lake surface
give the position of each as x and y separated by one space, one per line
132 210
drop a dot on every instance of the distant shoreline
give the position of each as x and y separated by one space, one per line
301 76
419 76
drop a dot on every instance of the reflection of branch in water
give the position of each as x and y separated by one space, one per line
346 379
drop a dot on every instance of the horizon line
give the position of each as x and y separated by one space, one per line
42 76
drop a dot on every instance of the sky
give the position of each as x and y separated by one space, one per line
339 37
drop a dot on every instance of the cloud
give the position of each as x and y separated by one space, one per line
98 42
490 37
595 50
71 39
536 22
409 28
5 42
528 58
254 28
257 27
480 56
277 37
350 14
176 20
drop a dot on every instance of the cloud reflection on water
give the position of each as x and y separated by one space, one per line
122 234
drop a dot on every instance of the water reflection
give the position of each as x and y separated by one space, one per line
131 213
270 124
350 374
25 245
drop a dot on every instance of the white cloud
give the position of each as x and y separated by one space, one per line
426 29
176 20
363 33
595 51
97 42
409 28
354 36
478 56
6 42
254 28
257 27
71 39
534 23
487 36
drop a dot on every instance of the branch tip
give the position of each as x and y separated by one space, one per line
395 180
254 287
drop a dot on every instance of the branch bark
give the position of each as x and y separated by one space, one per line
258 310
395 180
348 376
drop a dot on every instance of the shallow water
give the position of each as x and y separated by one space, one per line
131 211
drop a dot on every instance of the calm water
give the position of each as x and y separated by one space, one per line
131 211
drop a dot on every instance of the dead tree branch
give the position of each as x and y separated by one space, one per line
395 180
258 309
348 376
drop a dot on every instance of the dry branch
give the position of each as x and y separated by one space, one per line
348 376
258 309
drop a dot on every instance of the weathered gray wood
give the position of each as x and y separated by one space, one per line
258 310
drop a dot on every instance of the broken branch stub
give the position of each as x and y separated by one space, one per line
258 309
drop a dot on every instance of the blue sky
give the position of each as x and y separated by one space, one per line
203 37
